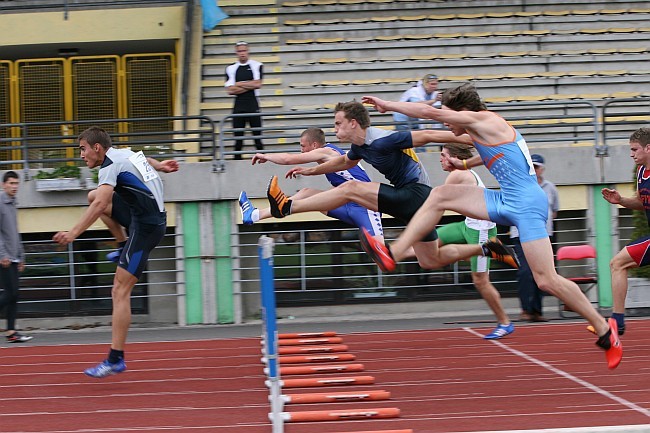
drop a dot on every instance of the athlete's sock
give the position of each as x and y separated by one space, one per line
115 356
286 209
486 251
620 319
255 216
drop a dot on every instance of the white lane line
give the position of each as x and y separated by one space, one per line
569 376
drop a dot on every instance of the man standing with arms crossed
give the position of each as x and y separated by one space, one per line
126 181
243 81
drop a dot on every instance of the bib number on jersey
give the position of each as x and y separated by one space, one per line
142 165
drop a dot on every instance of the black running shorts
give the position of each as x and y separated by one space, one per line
402 203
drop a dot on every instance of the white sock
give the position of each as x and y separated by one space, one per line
255 215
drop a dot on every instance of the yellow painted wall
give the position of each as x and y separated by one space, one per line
92 25
54 219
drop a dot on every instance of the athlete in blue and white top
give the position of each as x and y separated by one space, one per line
520 201
127 181
392 154
313 148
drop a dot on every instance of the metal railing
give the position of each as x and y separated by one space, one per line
542 123
47 144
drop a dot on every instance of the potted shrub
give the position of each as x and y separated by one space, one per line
65 178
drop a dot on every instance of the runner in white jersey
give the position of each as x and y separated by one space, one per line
520 202
473 231
136 186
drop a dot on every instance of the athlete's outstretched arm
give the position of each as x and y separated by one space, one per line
339 163
316 155
422 111
422 137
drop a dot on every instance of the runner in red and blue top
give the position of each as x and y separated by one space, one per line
636 253
520 202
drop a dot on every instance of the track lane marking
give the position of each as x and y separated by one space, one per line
569 376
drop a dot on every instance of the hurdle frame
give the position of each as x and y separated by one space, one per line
269 323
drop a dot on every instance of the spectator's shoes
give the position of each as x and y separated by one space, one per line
105 368
18 338
280 204
500 331
611 344
246 208
114 256
379 252
494 249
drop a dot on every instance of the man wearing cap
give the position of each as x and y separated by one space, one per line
243 81
530 295
426 92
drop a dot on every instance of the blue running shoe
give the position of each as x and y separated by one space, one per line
246 208
114 256
500 331
105 368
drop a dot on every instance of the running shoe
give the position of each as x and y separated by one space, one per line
379 252
246 208
18 338
105 368
114 256
500 331
280 204
495 249
611 344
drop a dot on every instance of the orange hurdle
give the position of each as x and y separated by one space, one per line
338 415
324 397
335 381
312 369
316 358
307 335
292 350
301 341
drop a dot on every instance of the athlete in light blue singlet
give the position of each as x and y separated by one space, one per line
521 201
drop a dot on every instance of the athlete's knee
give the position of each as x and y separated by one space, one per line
481 281
91 196
349 189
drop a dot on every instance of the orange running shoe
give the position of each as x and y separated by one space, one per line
280 204
379 252
495 249
612 345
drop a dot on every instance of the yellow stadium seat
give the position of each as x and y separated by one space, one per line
384 19
413 17
297 22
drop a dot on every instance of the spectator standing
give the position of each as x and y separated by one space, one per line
530 296
243 81
12 255
426 92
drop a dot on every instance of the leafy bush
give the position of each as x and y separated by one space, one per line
66 171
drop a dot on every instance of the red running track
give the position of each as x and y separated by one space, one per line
541 377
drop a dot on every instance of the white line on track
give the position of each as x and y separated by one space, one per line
569 376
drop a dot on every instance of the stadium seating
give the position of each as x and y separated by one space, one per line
319 52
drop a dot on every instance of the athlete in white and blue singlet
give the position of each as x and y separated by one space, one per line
520 202
129 176
313 148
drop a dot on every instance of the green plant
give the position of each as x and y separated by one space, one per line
66 171
94 174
